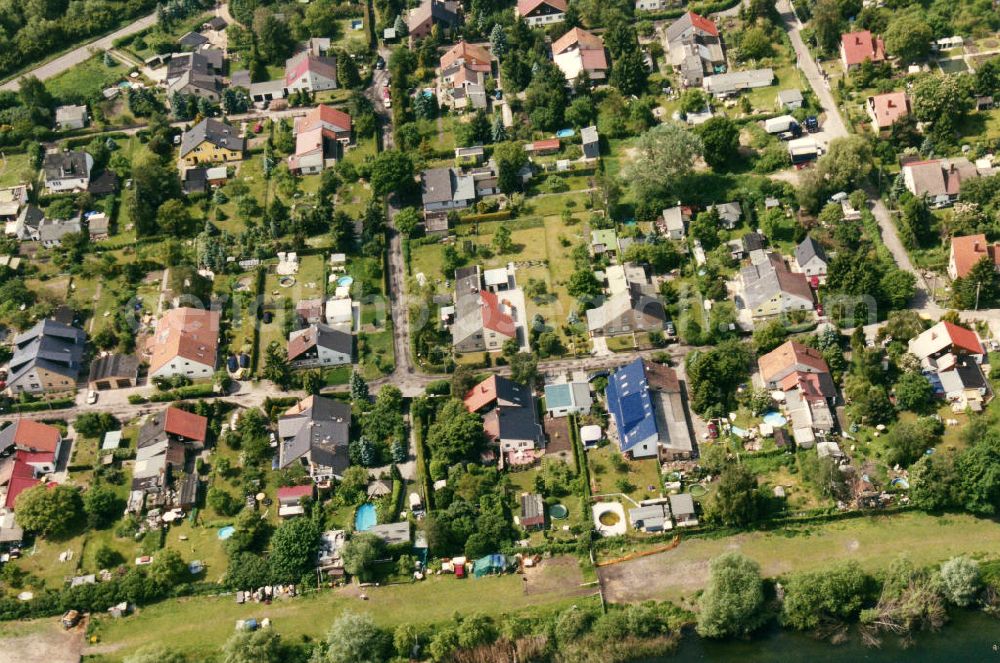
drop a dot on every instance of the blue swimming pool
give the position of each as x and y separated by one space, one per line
775 419
226 532
365 517
564 133
345 280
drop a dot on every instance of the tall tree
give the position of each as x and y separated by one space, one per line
733 602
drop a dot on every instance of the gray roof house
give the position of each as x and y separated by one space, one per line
627 312
694 48
197 74
483 320
52 231
651 517
67 171
591 142
219 137
811 258
673 223
193 40
393 533
770 289
320 345
723 85
446 189
729 214
790 99
682 506
46 359
315 432
71 117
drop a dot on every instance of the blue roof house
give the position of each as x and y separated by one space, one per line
631 406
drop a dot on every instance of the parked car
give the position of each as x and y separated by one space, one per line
812 124
91 397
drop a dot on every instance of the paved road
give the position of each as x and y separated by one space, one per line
78 55
834 127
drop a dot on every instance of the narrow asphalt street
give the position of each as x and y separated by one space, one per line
77 55
834 127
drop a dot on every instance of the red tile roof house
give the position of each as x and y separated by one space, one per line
542 147
541 12
946 338
580 51
856 47
509 417
886 109
305 71
290 499
967 251
335 123
174 424
28 451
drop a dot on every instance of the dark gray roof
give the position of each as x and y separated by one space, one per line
114 366
517 423
104 184
193 40
809 249
334 339
65 164
217 133
438 185
754 241
50 345
216 23
322 431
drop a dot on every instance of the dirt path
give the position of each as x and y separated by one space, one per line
42 642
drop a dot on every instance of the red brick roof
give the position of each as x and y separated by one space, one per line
323 116
861 46
969 250
481 395
787 355
185 424
190 333
703 24
475 57
586 40
889 107
547 144
963 338
34 436
493 316
294 492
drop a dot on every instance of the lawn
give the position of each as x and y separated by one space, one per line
640 474
15 169
86 79
182 624
874 542
542 249
309 284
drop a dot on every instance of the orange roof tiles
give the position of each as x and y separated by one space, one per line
889 107
475 57
185 424
969 250
34 436
481 395
861 46
788 355
577 36
189 333
321 116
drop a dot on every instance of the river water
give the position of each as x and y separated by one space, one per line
968 637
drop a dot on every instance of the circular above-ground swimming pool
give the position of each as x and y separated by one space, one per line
775 419
900 482
286 281
697 490
226 532
558 511
365 517
345 280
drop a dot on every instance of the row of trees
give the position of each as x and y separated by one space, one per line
901 601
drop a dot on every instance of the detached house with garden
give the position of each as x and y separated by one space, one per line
315 433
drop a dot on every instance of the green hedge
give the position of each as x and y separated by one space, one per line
490 216
38 406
